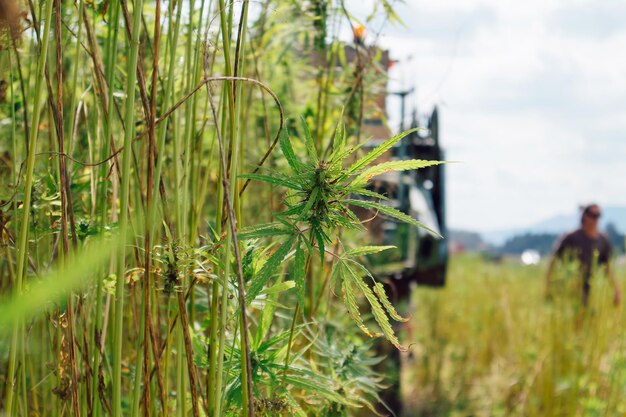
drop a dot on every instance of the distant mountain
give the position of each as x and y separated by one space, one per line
470 241
559 224
541 242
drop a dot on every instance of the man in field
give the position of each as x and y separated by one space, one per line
590 248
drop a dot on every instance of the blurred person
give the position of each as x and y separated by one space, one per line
590 248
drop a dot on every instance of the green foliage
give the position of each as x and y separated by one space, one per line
380 169
351 366
391 212
343 381
318 204
128 238
268 269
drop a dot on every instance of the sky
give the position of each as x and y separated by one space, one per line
532 99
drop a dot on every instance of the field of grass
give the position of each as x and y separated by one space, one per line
489 344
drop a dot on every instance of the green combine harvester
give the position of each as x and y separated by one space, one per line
422 256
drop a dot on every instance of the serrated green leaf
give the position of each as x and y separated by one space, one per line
372 155
339 141
296 209
280 287
270 267
353 309
392 212
309 143
338 158
335 273
287 149
265 322
263 230
312 198
367 193
312 386
284 182
274 342
320 239
380 169
377 309
346 221
379 289
367 250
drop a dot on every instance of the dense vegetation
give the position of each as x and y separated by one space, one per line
177 230
490 344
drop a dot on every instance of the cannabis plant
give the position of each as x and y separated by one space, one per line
321 194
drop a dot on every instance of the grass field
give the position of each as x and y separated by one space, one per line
489 344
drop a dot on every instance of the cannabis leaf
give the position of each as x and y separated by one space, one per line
321 192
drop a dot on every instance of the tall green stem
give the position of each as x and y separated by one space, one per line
28 186
228 110
129 120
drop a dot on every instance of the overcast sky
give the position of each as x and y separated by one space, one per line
532 98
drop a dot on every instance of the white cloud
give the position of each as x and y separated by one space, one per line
532 97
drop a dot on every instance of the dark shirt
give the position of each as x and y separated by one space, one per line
583 248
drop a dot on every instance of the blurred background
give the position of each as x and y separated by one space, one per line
532 97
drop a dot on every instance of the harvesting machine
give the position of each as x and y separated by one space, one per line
422 256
